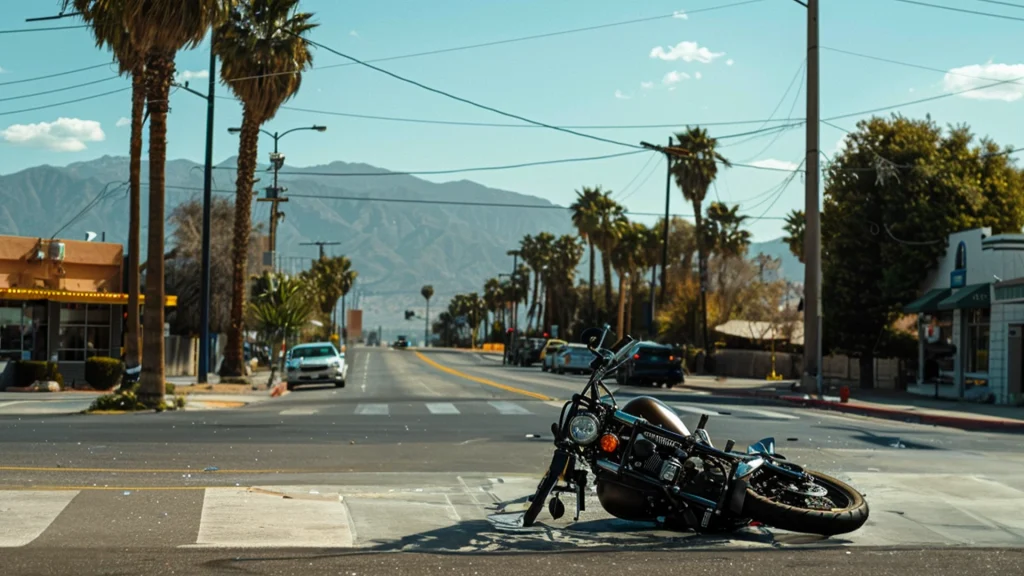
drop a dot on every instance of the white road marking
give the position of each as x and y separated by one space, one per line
26 514
236 517
5 404
442 408
298 412
695 410
509 408
771 414
429 389
372 410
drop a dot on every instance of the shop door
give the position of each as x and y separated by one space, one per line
1015 363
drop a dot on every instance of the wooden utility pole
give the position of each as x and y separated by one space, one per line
321 244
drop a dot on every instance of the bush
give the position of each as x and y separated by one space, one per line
169 388
29 371
103 373
128 400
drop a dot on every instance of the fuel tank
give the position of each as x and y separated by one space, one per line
629 502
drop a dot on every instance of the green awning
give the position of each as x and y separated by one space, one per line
969 297
927 303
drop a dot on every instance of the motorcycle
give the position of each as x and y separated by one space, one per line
649 467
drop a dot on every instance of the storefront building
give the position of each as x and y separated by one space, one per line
971 320
61 300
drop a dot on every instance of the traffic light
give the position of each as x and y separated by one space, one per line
545 334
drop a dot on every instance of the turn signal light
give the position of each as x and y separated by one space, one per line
636 356
671 358
609 443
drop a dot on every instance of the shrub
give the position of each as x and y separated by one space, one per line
29 371
103 373
169 388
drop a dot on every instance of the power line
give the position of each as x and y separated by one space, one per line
51 29
55 104
103 195
928 99
909 64
55 90
438 202
508 40
961 10
798 73
510 125
635 176
55 75
650 173
464 100
1002 3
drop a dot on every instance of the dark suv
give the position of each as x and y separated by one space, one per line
402 342
527 351
653 364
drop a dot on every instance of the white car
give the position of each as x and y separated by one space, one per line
316 363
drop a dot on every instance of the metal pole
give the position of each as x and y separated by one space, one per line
204 307
273 204
426 326
664 230
812 238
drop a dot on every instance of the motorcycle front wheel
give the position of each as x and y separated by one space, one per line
824 505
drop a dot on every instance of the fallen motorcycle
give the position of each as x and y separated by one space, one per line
649 467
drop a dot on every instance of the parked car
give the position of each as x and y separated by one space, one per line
401 342
550 347
316 363
653 364
573 358
527 352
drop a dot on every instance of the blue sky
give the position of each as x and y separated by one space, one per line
725 65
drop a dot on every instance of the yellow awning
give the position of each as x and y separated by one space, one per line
73 296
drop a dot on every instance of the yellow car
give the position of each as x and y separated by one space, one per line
550 346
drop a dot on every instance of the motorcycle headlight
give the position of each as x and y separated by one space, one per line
584 429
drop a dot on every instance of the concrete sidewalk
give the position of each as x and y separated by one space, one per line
891 405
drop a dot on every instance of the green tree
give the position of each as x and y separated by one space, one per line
263 52
566 253
159 29
427 291
106 22
611 224
280 308
329 278
586 219
796 222
892 197
694 173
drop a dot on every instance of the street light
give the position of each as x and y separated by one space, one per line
274 192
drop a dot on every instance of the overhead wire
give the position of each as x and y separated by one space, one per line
1002 3
102 195
54 75
650 173
48 29
961 10
509 40
798 73
56 90
623 190
55 104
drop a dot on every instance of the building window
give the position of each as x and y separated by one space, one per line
1015 292
977 340
961 257
84 331
22 330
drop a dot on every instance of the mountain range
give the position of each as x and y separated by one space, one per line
400 231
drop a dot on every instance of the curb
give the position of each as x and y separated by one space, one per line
972 424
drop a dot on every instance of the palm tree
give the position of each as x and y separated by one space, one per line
106 20
263 52
493 299
694 174
329 279
159 29
282 309
566 253
585 219
624 258
535 251
611 219
794 229
427 291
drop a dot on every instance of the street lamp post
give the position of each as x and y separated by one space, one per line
274 191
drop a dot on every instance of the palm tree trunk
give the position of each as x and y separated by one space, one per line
702 267
622 305
533 302
591 305
131 339
606 264
159 72
247 149
629 304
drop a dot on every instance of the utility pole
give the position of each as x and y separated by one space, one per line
811 380
321 244
274 192
664 241
204 306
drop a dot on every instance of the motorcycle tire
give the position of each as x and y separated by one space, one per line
810 521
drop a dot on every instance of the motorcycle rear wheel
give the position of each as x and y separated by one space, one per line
848 518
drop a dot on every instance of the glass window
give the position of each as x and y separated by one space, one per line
84 331
72 314
978 331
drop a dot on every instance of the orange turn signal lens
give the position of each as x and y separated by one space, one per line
609 443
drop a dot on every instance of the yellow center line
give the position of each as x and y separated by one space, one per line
157 470
483 381
21 488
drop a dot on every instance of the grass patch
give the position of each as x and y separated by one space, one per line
127 400
221 388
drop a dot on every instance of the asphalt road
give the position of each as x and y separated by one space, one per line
415 453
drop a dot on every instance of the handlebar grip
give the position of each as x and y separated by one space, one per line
703 421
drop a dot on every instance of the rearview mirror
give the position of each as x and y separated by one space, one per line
591 337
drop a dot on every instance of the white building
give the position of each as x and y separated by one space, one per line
971 319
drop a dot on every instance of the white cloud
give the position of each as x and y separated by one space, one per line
188 75
353 33
122 122
687 52
64 135
959 79
680 14
697 75
647 85
2 70
774 164
674 77
730 62
621 96
911 89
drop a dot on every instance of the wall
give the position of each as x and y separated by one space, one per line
88 266
977 269
838 369
181 355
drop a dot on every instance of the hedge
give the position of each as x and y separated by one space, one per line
103 373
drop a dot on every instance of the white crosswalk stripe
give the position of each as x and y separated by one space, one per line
695 409
509 408
25 514
442 408
771 414
298 412
372 410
